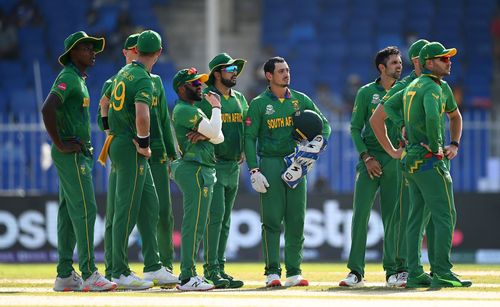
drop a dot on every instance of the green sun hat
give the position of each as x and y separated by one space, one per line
187 75
435 50
76 38
223 59
415 48
149 41
131 41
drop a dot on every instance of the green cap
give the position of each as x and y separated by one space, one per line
149 41
415 48
131 41
187 75
435 50
223 59
76 38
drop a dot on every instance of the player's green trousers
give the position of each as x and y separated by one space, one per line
147 232
432 188
219 217
135 199
166 217
77 212
196 183
364 195
282 205
400 223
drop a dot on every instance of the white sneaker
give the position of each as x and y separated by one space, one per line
402 278
296 280
162 278
132 282
71 283
273 280
351 281
196 283
96 282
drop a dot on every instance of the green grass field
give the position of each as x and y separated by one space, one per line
32 284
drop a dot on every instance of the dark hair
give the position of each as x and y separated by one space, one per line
384 54
270 64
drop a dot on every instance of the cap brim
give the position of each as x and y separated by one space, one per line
238 62
202 77
97 43
448 53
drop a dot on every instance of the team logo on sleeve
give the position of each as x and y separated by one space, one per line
376 98
145 94
269 109
86 102
248 121
62 86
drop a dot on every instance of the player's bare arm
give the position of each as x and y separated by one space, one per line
455 118
142 126
50 105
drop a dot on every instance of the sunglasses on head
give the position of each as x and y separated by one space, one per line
443 59
230 69
195 83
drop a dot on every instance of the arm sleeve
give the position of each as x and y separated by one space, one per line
213 127
433 119
393 107
252 126
358 121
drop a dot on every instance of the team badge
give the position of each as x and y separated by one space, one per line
82 169
141 170
62 86
205 192
86 102
295 104
269 109
375 98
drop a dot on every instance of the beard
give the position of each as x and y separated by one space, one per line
192 94
228 82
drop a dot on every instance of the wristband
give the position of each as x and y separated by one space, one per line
215 107
368 159
105 123
143 141
454 143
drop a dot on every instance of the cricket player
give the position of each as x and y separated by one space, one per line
161 147
268 134
131 96
424 161
222 78
195 172
375 171
67 120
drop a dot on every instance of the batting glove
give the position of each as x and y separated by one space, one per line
259 181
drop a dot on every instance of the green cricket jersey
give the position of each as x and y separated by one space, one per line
396 108
270 119
234 109
162 144
423 111
186 118
132 84
367 100
73 117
